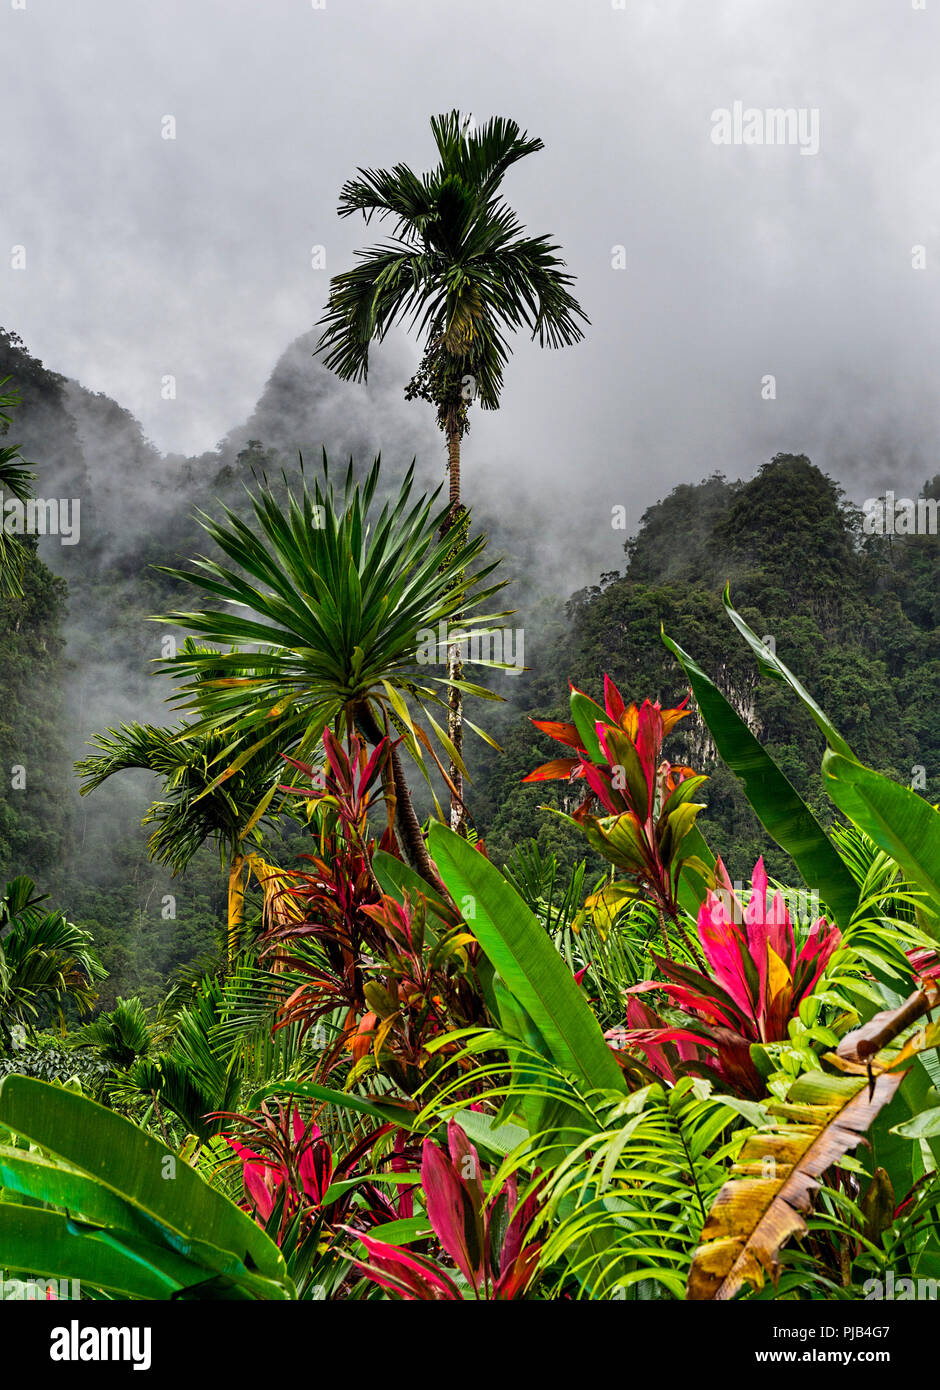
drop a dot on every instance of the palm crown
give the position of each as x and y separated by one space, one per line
459 266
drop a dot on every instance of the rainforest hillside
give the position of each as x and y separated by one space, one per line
855 616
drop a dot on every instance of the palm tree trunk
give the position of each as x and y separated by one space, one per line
409 830
236 904
458 815
407 826
453 473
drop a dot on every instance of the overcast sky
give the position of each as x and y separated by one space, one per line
147 256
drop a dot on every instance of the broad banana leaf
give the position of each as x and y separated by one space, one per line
898 820
52 1245
525 959
142 1187
159 1250
777 804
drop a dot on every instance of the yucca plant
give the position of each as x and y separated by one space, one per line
340 602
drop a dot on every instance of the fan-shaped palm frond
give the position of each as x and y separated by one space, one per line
197 805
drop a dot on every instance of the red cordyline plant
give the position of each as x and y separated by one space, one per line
756 981
399 983
488 1240
292 1160
324 907
646 727
298 1159
424 986
648 800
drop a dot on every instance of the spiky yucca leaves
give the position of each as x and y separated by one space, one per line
44 959
16 480
340 602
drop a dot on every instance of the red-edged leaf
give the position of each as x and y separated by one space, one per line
404 1272
558 767
451 1213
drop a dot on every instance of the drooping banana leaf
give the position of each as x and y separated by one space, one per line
777 1171
777 1174
771 665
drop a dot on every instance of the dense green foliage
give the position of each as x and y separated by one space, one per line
856 615
567 1053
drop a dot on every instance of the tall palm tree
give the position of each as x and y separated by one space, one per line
460 268
337 600
16 481
195 806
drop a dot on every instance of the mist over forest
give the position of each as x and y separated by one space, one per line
855 614
469 652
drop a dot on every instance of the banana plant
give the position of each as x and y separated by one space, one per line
87 1195
776 803
536 978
